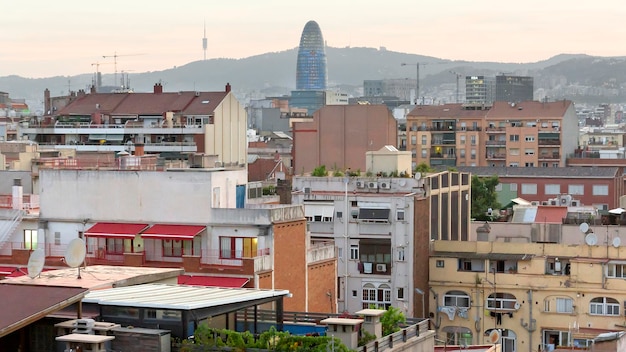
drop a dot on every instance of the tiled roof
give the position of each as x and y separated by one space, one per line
155 104
528 109
549 172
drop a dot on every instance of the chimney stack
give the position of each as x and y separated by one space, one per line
227 87
158 88
139 149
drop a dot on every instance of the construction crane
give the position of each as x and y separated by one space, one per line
458 76
115 56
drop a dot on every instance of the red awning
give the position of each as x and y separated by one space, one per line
550 214
115 230
172 232
213 281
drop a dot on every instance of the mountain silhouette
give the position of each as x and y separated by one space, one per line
273 74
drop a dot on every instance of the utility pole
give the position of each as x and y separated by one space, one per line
417 84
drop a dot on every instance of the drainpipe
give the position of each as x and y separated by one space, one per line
531 325
437 322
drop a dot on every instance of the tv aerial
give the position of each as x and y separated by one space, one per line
36 262
75 254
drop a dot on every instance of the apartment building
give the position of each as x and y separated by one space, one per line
338 137
212 123
382 227
526 134
181 218
535 296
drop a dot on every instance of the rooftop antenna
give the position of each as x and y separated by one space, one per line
36 262
75 254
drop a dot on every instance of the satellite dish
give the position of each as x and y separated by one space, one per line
591 239
36 262
494 336
418 175
75 254
517 305
584 227
617 242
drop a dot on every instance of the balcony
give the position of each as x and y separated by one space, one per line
553 156
549 141
496 143
496 156
491 129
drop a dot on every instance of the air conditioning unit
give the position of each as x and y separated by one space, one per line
385 185
307 190
372 184
381 267
575 203
534 202
553 202
545 202
360 184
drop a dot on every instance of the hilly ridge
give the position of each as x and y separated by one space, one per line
273 73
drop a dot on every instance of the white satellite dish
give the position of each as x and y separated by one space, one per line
418 175
584 227
591 239
494 336
36 262
75 254
617 242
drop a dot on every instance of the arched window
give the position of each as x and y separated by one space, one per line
456 299
376 296
604 306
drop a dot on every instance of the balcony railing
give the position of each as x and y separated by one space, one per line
29 201
549 141
502 142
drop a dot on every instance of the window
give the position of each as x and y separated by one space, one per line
529 151
172 248
529 188
238 247
604 306
531 124
473 154
576 189
440 263
600 190
463 139
559 305
501 301
414 153
401 254
616 270
456 299
424 140
553 189
354 252
471 265
514 151
400 215
555 164
513 187
514 138
529 164
30 239
424 153
529 138
115 245
513 164
413 140
462 153
376 296
473 140
400 293
544 164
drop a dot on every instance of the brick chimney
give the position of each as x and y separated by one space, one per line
227 87
158 88
46 101
139 149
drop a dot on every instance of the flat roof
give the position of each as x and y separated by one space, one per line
179 297
85 338
97 277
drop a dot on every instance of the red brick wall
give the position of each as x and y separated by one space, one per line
322 280
290 262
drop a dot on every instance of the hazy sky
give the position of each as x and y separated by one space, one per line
65 37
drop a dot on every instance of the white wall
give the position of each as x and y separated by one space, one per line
136 196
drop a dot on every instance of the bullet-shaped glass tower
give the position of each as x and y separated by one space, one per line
311 71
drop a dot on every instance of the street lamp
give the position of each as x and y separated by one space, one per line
417 84
420 292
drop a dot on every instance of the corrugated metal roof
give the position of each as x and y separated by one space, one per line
177 296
